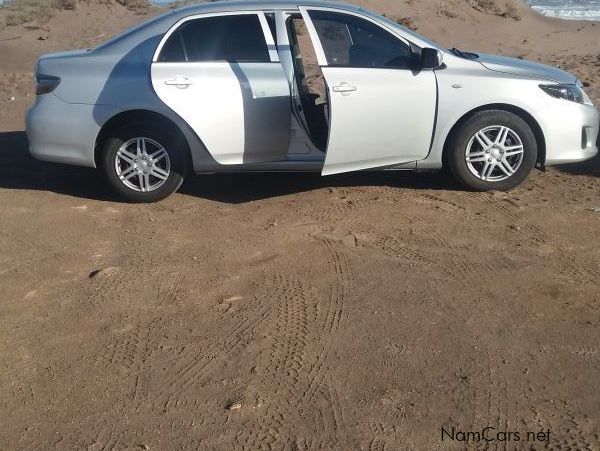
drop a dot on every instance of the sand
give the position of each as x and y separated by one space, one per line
365 311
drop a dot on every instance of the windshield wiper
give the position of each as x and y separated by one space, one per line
465 55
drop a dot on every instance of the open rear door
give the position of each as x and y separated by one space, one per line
381 111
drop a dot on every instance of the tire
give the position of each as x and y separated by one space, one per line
146 175
483 160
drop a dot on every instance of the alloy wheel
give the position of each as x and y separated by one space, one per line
142 164
494 153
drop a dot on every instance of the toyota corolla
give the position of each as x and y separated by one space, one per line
313 86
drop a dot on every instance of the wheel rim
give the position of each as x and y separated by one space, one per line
142 164
494 153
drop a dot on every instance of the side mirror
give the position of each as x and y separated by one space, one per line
431 58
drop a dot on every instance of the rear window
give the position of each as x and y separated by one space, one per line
232 38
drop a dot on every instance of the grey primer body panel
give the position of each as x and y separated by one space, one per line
266 117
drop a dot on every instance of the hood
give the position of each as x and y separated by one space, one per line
527 68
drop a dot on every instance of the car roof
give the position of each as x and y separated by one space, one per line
157 26
245 5
266 5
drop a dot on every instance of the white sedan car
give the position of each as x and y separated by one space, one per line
311 86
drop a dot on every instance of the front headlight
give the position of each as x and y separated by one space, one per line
568 92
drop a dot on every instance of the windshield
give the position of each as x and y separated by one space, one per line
419 40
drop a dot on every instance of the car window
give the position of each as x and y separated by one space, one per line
233 38
350 41
172 50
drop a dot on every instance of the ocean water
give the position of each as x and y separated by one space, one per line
568 9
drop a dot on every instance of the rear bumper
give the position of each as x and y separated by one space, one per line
65 132
571 132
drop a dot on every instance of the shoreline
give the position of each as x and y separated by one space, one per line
567 18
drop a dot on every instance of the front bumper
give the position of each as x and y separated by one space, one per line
571 131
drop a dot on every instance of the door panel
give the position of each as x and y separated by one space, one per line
267 114
212 100
240 111
220 72
378 117
381 112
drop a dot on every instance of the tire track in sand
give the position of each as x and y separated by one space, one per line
336 314
295 382
131 347
194 367
289 329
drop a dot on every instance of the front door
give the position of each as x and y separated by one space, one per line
381 110
221 73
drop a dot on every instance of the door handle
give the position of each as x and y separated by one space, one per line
345 88
180 82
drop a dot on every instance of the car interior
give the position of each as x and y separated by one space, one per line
312 108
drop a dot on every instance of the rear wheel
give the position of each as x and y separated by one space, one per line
142 165
493 150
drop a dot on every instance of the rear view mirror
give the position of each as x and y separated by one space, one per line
431 58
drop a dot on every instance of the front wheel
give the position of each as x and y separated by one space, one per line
493 150
142 165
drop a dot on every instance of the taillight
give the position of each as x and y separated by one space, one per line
45 84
